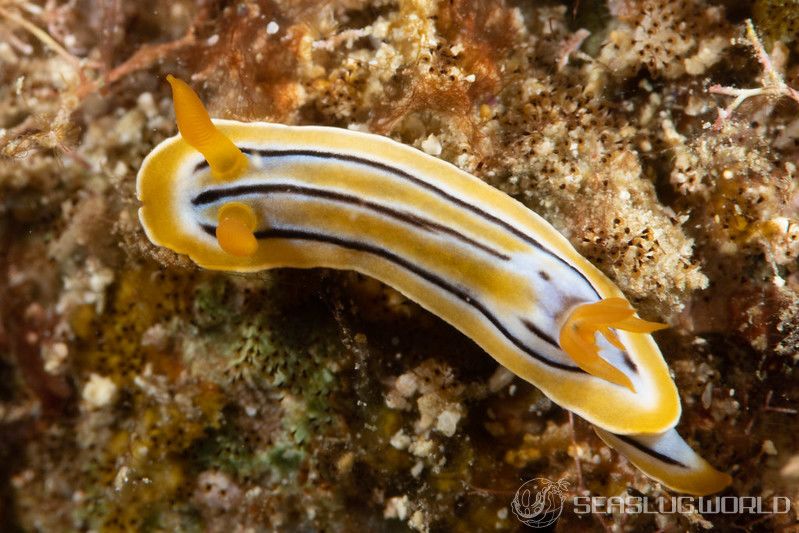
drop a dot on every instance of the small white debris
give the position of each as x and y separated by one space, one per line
780 224
396 507
121 478
272 28
769 448
129 128
99 391
502 514
431 145
357 126
417 521
447 422
100 278
140 452
212 40
462 161
54 356
500 379
417 469
421 447
254 493
345 462
400 440
146 104
155 336
120 170
407 384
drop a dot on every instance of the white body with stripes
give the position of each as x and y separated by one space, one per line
327 197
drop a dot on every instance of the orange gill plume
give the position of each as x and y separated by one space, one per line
578 335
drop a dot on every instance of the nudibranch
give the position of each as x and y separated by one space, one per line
244 197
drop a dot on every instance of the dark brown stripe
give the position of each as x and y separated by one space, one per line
535 330
653 453
629 362
291 234
214 195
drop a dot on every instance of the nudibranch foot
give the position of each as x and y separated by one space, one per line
578 335
227 162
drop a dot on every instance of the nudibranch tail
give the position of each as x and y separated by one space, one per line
667 458
237 222
227 162
578 335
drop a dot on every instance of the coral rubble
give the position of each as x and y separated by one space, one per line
138 392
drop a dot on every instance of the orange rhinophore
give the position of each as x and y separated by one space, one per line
225 159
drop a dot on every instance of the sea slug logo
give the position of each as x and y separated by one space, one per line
539 502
